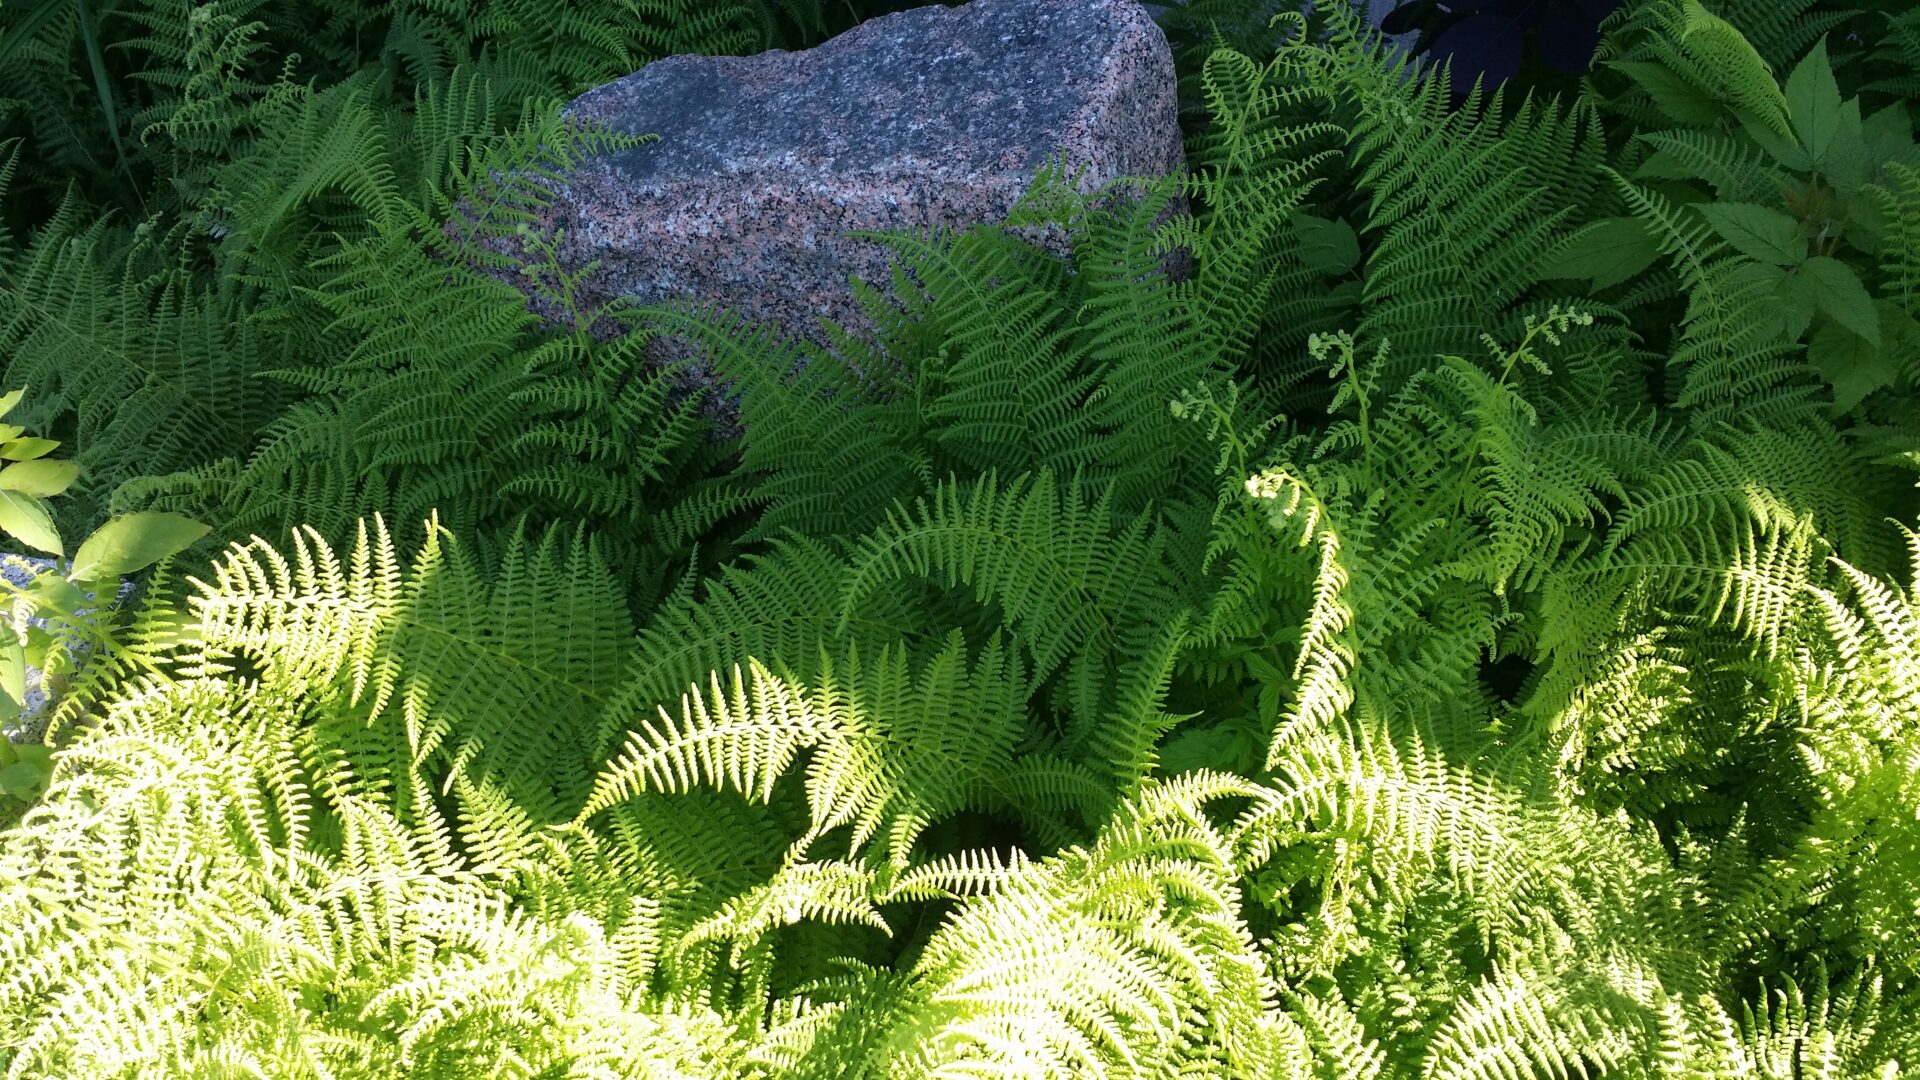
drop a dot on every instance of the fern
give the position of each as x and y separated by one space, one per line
1394 598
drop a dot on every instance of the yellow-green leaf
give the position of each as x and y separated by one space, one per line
27 449
39 477
134 542
25 518
13 669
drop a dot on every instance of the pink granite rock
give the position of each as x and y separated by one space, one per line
932 116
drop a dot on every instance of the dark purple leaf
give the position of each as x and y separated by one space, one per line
1595 9
1407 18
1568 37
1489 45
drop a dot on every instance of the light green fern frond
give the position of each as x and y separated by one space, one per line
893 751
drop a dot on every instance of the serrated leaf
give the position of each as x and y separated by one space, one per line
1849 161
1813 103
39 477
25 518
1758 232
1608 252
1783 149
134 542
1850 364
1671 94
1840 296
1794 303
1888 135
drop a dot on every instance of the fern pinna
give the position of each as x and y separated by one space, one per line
1443 607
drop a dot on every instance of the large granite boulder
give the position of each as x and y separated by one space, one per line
931 116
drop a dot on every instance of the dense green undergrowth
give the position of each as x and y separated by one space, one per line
1467 627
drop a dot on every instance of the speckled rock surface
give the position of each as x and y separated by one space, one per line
936 115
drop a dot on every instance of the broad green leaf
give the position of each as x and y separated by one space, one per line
134 542
1851 364
38 641
1608 252
25 518
1888 135
1758 232
1671 94
1331 246
1849 161
1840 296
1203 748
27 449
1783 149
1813 103
11 398
22 779
1795 302
41 477
57 594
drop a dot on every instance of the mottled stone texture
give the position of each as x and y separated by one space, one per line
937 115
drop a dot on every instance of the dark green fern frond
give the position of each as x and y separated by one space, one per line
1737 171
1465 203
144 369
1782 31
1733 352
1067 582
1249 172
1899 202
1003 387
822 453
